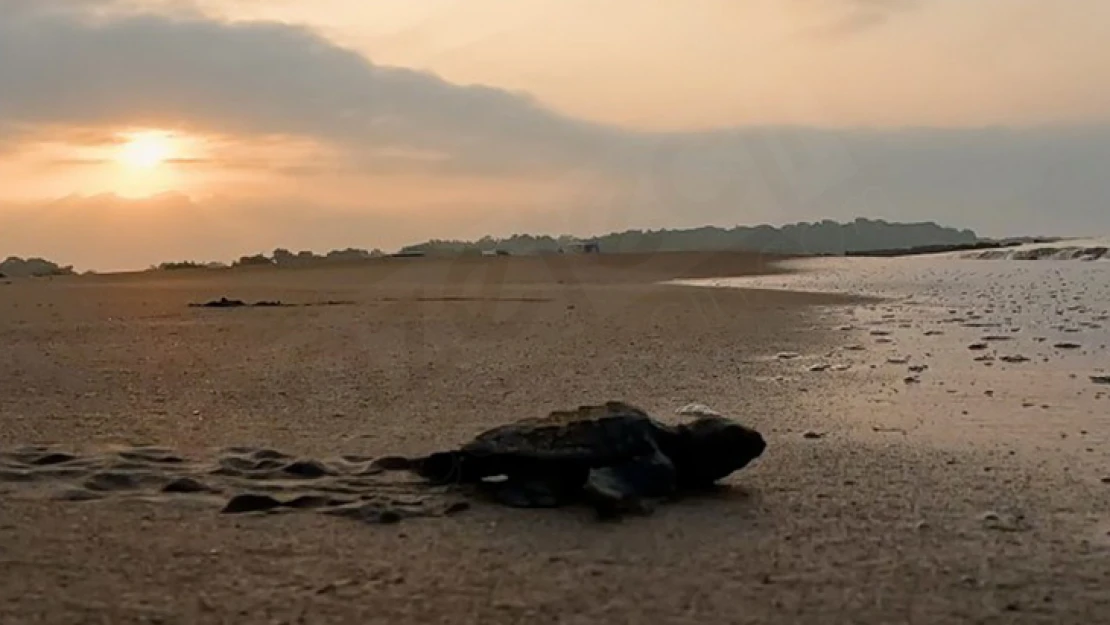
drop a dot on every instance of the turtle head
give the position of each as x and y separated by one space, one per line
717 446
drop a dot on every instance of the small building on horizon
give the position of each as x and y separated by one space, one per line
584 247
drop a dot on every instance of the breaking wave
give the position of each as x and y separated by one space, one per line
1061 250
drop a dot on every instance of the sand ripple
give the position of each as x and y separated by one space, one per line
237 480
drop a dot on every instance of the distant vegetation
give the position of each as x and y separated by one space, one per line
16 267
861 236
280 257
285 258
188 264
825 237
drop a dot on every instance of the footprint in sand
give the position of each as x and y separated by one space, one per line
245 479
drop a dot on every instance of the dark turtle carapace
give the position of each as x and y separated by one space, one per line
613 456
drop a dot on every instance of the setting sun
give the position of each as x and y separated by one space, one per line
146 150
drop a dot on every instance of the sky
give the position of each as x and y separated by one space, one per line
139 131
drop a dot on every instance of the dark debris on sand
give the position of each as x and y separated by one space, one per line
250 502
188 485
225 302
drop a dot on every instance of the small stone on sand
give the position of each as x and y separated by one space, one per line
52 458
250 502
186 485
307 469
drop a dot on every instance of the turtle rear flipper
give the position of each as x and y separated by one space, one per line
630 486
396 463
439 468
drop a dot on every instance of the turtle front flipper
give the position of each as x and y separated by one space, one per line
531 492
630 486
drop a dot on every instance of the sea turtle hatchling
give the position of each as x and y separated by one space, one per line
613 456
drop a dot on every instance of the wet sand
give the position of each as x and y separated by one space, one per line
1010 353
854 514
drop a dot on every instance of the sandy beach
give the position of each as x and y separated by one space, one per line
889 493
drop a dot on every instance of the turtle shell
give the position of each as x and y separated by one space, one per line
594 434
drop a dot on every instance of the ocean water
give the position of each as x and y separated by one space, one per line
1090 249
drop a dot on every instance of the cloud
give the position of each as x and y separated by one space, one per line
848 17
86 68
263 78
8 133
73 162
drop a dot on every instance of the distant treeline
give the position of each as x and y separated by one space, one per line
825 238
16 267
280 257
820 238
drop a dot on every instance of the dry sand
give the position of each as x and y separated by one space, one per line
855 513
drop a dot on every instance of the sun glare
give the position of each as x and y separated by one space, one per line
146 150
